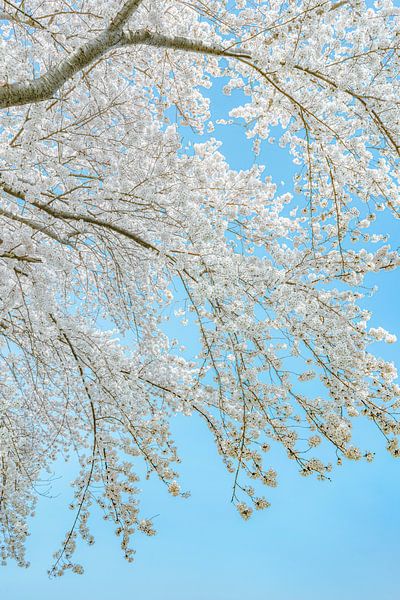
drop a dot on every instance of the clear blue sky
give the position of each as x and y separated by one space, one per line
318 541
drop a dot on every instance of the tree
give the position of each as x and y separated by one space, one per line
109 224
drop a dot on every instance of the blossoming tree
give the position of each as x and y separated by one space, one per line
109 224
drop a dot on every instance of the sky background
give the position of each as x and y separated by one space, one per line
319 540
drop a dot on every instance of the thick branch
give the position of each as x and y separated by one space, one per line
123 15
45 86
147 38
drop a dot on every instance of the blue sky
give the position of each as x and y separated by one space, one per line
319 540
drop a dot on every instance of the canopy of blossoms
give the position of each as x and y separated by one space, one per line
107 218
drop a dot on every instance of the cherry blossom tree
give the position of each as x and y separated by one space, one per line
110 226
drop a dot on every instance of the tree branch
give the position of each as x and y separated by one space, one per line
67 216
123 15
33 225
157 40
45 86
